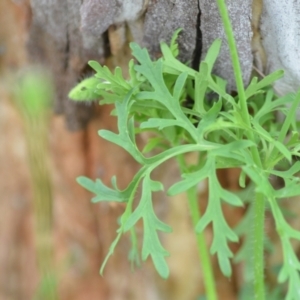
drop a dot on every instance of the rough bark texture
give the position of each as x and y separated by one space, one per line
66 34
163 18
280 27
63 36
98 15
56 41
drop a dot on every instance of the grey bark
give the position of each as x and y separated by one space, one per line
163 18
66 34
280 28
57 41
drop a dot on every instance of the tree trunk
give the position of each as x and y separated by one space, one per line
62 36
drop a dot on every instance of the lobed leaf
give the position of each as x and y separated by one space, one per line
103 193
213 214
125 127
151 243
268 80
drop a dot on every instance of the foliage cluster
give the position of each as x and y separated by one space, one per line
226 131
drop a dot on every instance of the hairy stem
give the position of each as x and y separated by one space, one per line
259 217
259 199
238 75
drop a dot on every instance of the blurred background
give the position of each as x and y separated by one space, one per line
52 239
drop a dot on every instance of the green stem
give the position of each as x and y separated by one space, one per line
238 75
235 59
259 198
259 218
207 270
209 281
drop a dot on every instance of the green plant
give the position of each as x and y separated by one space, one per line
223 133
33 93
